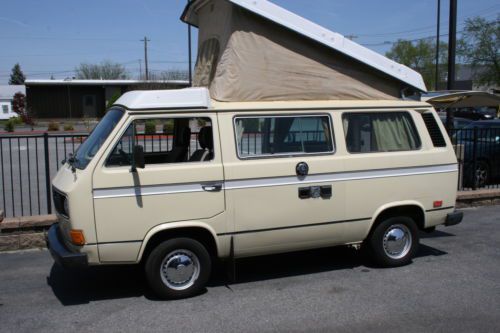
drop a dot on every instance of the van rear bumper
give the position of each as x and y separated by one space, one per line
453 218
61 254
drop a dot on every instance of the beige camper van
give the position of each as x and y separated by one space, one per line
177 179
257 178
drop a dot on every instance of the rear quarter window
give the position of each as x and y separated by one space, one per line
376 132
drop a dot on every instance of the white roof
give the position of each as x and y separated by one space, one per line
199 98
99 82
8 91
165 99
326 37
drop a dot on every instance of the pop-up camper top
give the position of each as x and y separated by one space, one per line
254 50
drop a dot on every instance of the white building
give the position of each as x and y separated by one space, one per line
7 93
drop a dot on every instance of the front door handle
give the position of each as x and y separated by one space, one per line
212 187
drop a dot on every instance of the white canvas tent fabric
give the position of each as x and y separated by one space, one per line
245 57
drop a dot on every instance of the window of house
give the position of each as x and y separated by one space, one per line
283 135
5 109
380 132
165 140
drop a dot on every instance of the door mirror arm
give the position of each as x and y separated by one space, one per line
138 160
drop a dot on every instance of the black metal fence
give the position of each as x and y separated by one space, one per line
29 162
478 155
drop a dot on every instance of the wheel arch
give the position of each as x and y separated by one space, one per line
413 209
196 230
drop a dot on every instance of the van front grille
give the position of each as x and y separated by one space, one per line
434 130
58 201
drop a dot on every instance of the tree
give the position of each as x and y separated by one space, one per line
19 107
421 56
479 47
17 75
106 70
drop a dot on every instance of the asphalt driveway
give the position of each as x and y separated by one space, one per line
452 286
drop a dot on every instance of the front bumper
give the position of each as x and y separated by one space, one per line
61 254
453 218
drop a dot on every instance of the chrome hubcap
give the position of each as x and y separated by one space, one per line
180 269
481 175
397 241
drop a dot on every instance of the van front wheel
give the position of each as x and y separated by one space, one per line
394 242
178 268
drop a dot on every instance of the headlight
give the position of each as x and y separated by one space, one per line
66 207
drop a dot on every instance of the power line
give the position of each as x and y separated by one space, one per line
430 27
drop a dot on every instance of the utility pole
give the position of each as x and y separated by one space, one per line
146 40
189 54
140 68
452 46
437 43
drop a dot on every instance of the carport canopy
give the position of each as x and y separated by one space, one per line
463 99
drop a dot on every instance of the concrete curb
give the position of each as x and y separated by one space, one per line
478 198
29 231
25 232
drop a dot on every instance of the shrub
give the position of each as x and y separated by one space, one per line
201 122
68 127
16 120
168 127
9 125
53 126
112 100
150 127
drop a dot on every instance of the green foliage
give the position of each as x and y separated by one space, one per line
479 47
201 122
421 56
16 120
150 127
17 75
9 125
53 126
106 70
69 127
168 127
112 100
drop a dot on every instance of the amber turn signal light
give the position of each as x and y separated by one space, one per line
438 204
77 237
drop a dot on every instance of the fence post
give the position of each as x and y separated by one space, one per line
474 157
47 171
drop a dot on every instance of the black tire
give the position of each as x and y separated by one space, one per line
379 250
183 252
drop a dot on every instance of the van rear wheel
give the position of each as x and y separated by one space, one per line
178 268
394 242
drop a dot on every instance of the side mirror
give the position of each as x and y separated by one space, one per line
138 161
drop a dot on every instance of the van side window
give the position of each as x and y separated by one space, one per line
380 132
165 140
283 135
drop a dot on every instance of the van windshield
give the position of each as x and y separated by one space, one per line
91 145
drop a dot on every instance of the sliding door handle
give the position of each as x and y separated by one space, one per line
212 187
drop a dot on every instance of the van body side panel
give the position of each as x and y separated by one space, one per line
129 204
425 175
263 193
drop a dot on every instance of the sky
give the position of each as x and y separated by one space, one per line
52 37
